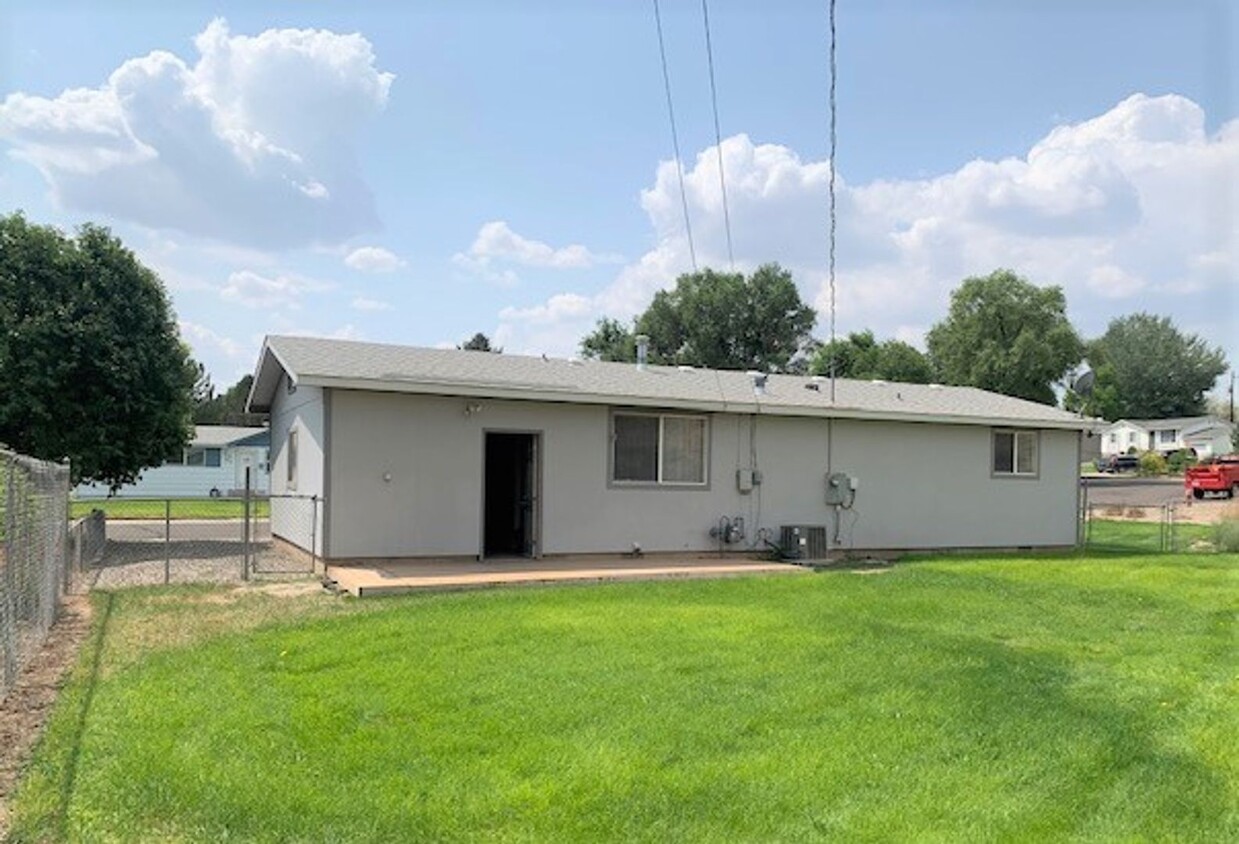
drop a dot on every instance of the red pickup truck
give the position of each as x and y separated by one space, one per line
1220 475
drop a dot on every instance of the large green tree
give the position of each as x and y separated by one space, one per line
610 340
91 364
716 320
1007 335
860 355
1147 369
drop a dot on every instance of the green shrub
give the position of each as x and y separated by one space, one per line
1181 460
1152 463
1226 535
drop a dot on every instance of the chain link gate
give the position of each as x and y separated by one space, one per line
272 553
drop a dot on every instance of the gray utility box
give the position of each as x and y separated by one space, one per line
803 542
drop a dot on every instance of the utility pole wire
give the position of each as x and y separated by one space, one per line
675 138
718 135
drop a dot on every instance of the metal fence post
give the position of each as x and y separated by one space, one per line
245 507
167 541
313 533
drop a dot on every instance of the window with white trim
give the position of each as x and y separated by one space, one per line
292 459
1167 436
1015 453
658 448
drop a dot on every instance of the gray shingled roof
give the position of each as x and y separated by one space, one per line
372 366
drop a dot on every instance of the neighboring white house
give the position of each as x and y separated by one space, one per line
444 453
214 463
1206 435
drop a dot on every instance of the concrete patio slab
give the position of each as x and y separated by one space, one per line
383 577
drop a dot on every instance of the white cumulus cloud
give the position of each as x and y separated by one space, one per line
497 243
204 340
373 259
361 303
1135 209
252 143
253 290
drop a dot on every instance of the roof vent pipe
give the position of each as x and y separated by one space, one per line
643 350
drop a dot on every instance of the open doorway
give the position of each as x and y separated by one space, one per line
510 496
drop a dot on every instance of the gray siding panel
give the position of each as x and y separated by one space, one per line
302 409
406 479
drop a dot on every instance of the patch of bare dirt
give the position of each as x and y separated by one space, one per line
1204 512
25 710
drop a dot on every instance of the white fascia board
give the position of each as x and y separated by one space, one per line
258 371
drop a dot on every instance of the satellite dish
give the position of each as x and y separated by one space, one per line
1083 386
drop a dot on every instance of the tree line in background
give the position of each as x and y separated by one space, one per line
1001 333
93 369
226 408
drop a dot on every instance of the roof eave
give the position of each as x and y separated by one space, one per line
267 379
568 396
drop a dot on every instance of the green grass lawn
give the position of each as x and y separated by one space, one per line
182 508
961 699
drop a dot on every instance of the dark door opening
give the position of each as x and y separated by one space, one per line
511 496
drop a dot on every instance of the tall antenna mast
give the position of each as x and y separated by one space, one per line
834 118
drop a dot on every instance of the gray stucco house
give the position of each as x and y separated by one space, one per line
443 453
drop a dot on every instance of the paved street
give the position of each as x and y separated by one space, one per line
1126 490
184 530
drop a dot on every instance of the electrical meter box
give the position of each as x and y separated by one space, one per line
840 489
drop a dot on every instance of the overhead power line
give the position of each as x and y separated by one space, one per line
675 138
718 135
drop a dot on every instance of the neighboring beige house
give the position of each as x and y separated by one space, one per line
443 453
1205 435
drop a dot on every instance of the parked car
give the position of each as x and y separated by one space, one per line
1220 475
1118 463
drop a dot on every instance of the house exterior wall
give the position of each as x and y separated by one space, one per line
176 481
295 516
1118 438
406 476
1209 442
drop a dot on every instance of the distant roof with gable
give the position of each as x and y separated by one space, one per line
217 436
346 364
1179 423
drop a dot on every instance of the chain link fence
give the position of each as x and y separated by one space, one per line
34 564
1154 528
202 540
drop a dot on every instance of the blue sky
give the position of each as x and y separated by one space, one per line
417 172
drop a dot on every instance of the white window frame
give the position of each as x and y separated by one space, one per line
290 459
1016 434
1163 439
704 483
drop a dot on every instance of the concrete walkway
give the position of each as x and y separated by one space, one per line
382 577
